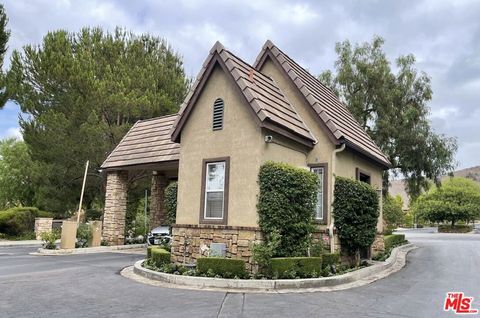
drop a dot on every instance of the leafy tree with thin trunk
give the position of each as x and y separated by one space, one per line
80 93
392 108
458 199
16 186
392 211
4 36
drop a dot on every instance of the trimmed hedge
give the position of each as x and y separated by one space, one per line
393 240
170 201
458 228
159 256
224 267
290 267
286 205
20 220
330 259
149 251
355 208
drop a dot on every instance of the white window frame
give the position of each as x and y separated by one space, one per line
322 180
216 190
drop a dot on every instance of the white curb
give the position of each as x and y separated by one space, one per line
87 250
356 278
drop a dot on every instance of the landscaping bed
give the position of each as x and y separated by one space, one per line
327 265
391 241
459 228
349 279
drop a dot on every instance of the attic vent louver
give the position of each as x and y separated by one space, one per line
218 114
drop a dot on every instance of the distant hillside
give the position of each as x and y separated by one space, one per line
397 187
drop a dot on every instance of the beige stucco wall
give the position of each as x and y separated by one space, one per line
346 162
322 151
241 139
284 150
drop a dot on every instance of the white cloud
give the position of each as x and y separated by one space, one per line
13 132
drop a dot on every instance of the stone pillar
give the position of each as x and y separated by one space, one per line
157 207
378 245
115 207
42 225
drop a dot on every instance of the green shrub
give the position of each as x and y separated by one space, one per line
264 251
355 208
170 202
281 267
317 249
49 238
149 251
20 220
84 234
159 256
458 228
286 204
291 267
329 259
309 266
393 240
223 267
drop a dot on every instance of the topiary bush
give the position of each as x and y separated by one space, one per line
292 267
220 266
393 240
329 259
20 220
159 256
355 208
170 202
286 205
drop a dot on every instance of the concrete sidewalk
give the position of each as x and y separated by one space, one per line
20 243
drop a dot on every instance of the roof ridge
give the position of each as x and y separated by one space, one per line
323 100
155 118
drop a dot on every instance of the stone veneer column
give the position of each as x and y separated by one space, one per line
157 206
42 225
115 207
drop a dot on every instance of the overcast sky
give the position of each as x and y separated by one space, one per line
443 35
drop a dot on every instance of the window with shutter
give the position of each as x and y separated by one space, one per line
218 114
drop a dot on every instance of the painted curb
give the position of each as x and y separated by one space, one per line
29 243
87 250
348 280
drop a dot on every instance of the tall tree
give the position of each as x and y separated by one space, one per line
16 186
80 93
392 108
457 200
4 36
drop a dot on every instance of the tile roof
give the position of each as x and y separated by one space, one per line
267 101
148 141
333 113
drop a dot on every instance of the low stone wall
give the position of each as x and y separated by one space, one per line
42 225
378 245
192 241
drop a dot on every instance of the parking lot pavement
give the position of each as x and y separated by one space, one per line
89 286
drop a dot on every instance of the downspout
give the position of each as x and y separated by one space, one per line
331 225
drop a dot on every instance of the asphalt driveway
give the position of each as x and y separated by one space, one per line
90 286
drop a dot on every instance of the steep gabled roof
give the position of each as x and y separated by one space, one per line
268 104
341 124
148 141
